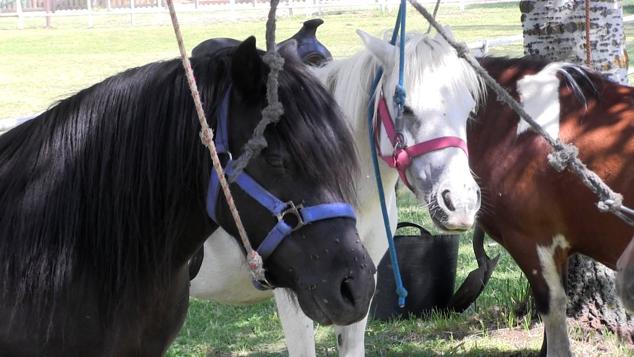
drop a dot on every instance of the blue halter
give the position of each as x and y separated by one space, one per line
290 217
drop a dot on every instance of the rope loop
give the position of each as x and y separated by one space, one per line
206 136
462 50
612 204
256 266
562 156
399 95
274 61
401 292
273 110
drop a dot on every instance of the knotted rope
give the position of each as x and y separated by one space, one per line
272 113
206 134
563 155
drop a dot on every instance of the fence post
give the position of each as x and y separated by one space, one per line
47 8
89 7
108 5
196 4
232 10
18 9
131 12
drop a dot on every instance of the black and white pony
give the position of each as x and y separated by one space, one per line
103 203
442 91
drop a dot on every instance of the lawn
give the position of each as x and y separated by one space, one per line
39 66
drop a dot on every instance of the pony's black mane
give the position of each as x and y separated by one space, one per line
101 187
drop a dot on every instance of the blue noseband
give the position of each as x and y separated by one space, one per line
290 217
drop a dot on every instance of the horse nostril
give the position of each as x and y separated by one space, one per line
447 199
478 198
346 291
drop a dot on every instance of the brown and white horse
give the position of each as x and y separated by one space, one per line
539 215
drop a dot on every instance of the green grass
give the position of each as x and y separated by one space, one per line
39 66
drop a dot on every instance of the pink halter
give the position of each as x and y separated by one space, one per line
402 156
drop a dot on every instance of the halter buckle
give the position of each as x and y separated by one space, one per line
399 141
292 216
227 154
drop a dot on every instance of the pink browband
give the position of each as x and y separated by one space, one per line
402 157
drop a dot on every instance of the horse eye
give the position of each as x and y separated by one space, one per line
276 161
407 110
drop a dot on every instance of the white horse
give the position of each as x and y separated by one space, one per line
442 91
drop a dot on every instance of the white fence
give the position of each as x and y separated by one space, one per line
221 9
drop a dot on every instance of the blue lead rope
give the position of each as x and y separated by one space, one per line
399 99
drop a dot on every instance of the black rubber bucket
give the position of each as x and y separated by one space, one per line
428 267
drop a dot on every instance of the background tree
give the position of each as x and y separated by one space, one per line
557 30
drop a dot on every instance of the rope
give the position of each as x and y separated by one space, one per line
563 155
206 135
434 15
588 49
399 98
272 113
401 292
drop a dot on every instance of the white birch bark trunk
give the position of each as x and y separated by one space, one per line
556 29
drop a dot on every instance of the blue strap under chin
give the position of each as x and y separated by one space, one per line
278 208
309 215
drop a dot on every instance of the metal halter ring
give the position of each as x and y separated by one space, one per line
293 212
399 141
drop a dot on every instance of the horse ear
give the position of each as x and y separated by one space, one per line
383 51
288 50
247 68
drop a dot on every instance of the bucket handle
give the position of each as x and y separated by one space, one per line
422 231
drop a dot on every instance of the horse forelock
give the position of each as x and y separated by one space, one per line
432 62
315 132
429 63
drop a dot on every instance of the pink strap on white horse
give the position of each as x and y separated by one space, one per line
402 156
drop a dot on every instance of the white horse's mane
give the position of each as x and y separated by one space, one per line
428 62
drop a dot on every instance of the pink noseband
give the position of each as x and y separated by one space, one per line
402 156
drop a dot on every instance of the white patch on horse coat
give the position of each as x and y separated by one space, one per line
539 95
555 321
224 276
298 328
351 338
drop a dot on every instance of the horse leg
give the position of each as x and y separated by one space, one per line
544 268
350 339
553 260
625 277
298 328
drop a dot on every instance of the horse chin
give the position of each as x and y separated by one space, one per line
313 310
327 309
444 227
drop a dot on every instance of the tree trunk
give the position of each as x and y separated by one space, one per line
557 30
592 298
